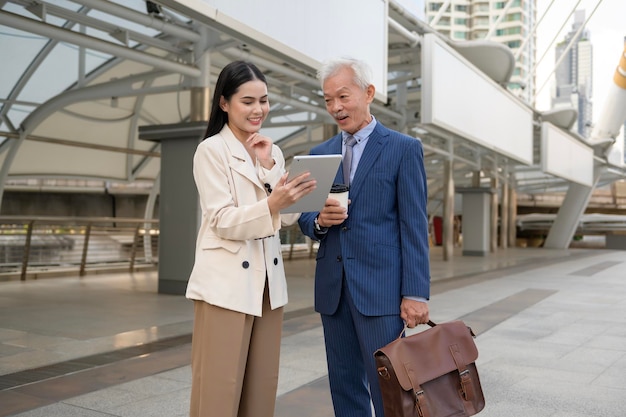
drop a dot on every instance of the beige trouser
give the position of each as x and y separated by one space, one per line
234 361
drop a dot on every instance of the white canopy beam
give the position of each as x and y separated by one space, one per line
53 32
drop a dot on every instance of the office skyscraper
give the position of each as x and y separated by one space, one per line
574 75
474 20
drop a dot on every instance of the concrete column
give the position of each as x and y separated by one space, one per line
179 206
504 216
493 241
179 212
476 179
512 217
616 241
200 94
476 220
568 216
448 210
200 104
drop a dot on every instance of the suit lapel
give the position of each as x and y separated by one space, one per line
370 154
239 157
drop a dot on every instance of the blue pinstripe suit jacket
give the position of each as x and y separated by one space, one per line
383 244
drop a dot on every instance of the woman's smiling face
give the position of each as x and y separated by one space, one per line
247 108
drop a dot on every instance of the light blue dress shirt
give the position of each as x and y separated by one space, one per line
357 150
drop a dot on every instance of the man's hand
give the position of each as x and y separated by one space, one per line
332 213
414 312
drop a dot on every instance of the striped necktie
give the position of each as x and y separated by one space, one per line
347 159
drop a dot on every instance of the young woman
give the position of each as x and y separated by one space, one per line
238 280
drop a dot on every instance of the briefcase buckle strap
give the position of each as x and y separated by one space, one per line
420 404
467 390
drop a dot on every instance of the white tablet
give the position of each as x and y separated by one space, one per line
323 168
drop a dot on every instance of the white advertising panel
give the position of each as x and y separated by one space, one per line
564 156
316 30
459 98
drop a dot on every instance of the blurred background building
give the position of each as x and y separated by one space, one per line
91 88
509 23
574 74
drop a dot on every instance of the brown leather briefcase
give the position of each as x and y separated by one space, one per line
431 374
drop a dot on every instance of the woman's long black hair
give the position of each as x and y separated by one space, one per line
228 82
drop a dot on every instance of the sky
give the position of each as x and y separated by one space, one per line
607 29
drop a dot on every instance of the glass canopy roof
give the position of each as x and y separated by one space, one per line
80 77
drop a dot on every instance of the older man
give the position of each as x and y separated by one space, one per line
373 271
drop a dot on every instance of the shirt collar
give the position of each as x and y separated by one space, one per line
362 134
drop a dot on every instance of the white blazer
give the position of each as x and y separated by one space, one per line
238 244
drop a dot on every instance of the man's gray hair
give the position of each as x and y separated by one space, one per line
362 71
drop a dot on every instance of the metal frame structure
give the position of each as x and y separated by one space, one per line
138 67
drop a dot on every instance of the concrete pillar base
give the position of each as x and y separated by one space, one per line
179 210
616 242
476 223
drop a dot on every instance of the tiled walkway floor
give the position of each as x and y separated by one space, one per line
551 325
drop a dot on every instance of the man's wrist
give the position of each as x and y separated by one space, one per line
318 227
416 298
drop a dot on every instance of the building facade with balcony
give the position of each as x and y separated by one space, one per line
507 22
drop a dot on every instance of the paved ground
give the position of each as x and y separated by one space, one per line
551 324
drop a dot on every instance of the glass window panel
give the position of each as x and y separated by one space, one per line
15 60
58 72
17 114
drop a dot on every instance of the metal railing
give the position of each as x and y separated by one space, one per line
36 245
31 247
588 224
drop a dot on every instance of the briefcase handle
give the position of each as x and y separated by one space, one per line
433 324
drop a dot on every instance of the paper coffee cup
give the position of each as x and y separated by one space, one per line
340 192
